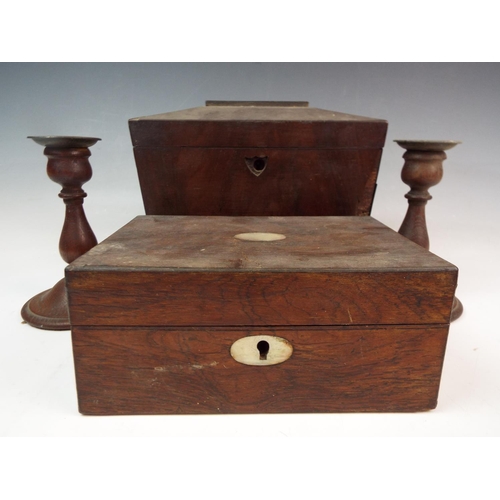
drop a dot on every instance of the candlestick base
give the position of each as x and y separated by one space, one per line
457 309
48 310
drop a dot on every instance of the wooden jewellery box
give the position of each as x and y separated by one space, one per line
257 159
195 314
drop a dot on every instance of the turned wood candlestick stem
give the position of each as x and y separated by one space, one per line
423 168
67 165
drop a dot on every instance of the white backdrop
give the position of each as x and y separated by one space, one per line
420 101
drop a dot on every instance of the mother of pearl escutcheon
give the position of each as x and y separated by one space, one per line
261 350
260 237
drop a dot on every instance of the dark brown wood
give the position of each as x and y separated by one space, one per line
156 307
150 370
197 181
259 298
258 127
319 162
67 165
269 104
327 271
423 168
48 310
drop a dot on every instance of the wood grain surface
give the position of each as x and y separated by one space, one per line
197 161
253 298
183 243
156 307
148 371
217 181
188 271
258 126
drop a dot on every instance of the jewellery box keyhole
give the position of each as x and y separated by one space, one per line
263 347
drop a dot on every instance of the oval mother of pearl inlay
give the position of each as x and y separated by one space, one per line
260 236
249 350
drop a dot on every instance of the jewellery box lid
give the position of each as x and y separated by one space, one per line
266 271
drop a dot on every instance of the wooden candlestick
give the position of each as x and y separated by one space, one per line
423 168
67 165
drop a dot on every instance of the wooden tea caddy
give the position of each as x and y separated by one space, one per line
257 159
